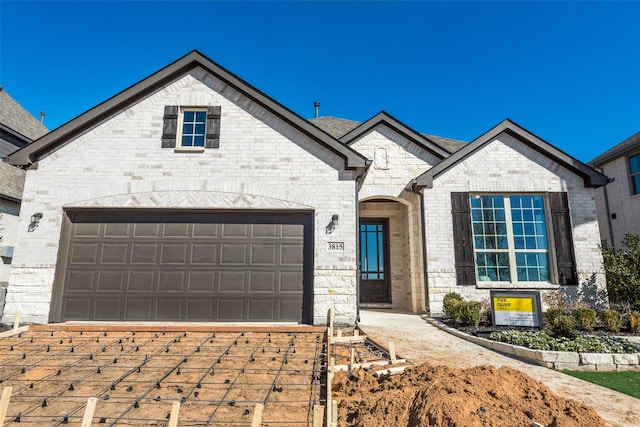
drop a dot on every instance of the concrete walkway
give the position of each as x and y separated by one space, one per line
420 342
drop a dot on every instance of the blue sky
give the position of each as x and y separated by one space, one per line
566 71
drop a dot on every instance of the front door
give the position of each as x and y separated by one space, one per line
374 262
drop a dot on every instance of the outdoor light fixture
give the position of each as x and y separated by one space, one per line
35 220
332 225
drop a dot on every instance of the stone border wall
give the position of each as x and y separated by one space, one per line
558 360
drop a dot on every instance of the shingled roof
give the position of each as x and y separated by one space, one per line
16 118
12 179
628 146
338 127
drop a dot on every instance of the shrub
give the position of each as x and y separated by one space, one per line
623 274
585 318
610 320
451 304
554 313
634 322
564 326
470 312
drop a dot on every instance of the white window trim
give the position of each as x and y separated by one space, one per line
189 148
511 250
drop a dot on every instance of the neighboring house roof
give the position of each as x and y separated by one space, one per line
12 179
627 146
14 117
337 128
592 178
104 111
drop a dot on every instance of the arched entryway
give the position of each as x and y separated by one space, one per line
391 272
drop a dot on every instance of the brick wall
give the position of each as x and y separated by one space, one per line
622 204
508 166
262 163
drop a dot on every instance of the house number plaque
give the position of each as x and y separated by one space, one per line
335 246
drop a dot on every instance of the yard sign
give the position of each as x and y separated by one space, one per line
511 308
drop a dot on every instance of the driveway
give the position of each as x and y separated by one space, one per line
420 342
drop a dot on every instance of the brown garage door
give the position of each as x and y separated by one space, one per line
193 266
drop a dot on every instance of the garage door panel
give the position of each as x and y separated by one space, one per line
198 266
291 281
111 281
78 308
263 281
138 308
292 254
85 253
146 229
115 253
144 253
235 230
140 281
232 281
108 308
117 229
230 309
169 309
264 254
202 281
176 230
204 253
233 254
172 281
80 280
174 253
261 310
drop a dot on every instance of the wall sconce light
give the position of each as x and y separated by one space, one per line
35 220
332 225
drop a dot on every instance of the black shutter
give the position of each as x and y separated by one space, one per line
213 128
563 238
462 239
169 126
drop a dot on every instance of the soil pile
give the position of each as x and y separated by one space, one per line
440 396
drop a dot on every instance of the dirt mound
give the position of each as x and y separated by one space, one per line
440 396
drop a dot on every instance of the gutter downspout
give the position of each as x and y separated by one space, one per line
359 180
608 211
412 186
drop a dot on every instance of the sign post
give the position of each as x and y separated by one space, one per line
516 308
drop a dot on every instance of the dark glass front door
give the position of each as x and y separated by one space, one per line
374 262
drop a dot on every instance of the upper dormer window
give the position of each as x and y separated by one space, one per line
191 127
634 173
194 125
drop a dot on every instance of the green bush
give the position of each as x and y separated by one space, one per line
634 322
451 305
610 320
541 341
623 274
564 326
553 313
585 318
470 312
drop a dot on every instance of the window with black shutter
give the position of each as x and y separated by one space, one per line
191 127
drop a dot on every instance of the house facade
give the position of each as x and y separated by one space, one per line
618 203
17 129
193 196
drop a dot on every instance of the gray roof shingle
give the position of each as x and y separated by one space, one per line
337 128
15 117
630 144
12 179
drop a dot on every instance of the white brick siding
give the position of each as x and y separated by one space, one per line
505 165
622 203
262 163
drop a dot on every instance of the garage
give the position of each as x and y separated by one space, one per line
200 265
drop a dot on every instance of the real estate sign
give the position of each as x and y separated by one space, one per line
510 308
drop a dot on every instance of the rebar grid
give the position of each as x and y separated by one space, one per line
218 377
364 351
